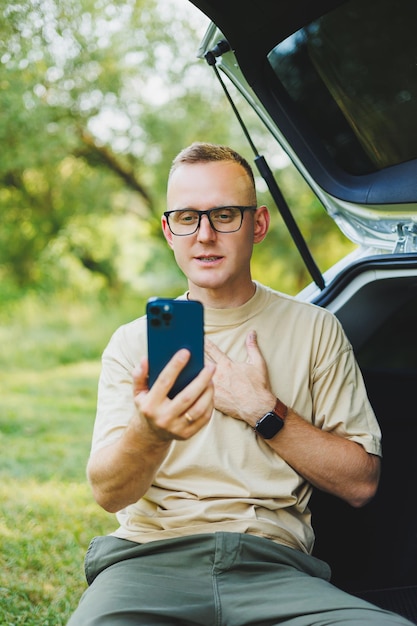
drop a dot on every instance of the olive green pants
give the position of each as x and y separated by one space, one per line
224 579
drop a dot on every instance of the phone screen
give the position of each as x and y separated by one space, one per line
172 325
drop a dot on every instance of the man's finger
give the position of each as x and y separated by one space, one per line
170 372
212 352
140 377
254 354
200 385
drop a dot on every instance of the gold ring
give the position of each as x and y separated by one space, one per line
188 417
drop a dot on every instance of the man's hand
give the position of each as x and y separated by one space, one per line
329 462
242 390
122 472
185 414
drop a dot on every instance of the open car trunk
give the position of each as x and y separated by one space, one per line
373 550
335 83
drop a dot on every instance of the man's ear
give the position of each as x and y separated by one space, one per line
262 219
166 231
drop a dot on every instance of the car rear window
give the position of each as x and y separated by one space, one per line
352 74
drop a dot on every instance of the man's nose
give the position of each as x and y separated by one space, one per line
205 231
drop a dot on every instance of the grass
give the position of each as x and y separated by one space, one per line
49 365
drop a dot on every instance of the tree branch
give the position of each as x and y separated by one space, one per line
107 157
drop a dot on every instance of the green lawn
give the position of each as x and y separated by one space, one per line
49 365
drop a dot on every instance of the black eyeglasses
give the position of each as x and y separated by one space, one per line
224 219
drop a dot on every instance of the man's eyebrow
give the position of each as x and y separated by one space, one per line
221 206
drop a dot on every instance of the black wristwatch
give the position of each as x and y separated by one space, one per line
271 423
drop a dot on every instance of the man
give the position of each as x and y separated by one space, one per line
211 488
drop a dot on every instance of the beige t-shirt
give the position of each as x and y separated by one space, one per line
225 478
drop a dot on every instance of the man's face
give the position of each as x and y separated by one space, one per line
211 260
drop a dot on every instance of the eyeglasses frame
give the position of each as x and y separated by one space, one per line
242 209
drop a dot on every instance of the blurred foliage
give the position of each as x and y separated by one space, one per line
96 100
49 364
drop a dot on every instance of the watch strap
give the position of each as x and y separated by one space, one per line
280 409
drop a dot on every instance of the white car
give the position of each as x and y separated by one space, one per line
336 84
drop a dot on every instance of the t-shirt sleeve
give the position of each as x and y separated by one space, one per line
341 404
115 405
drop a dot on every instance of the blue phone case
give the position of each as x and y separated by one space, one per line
172 325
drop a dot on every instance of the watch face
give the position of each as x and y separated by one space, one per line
269 425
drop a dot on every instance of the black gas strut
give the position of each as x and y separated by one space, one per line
266 173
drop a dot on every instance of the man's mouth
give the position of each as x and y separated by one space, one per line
208 259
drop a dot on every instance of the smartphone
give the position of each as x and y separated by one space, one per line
172 325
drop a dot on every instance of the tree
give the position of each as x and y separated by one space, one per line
96 100
79 83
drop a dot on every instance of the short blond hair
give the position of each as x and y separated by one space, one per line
201 152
